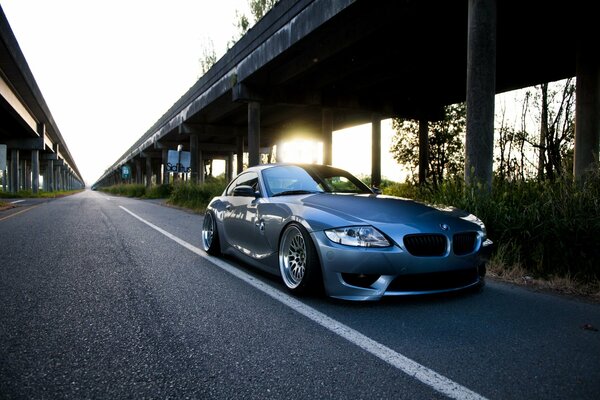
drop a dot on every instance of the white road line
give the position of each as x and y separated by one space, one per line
16 201
427 376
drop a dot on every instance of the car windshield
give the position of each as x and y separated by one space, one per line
293 179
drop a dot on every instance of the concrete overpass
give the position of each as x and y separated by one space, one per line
322 65
30 143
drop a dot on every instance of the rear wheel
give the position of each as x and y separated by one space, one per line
210 235
298 261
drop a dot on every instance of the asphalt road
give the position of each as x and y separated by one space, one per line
105 297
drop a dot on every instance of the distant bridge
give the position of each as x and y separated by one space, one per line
30 143
323 65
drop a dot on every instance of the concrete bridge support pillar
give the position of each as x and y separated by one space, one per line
253 133
587 115
327 135
26 171
60 178
165 159
35 171
229 167
376 151
423 151
201 169
14 170
195 165
240 154
148 171
57 181
50 176
156 170
56 178
138 171
481 89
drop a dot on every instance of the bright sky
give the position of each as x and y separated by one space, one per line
109 69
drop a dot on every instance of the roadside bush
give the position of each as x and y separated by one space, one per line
196 196
184 194
159 191
127 190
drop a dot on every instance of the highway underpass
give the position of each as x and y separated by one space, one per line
320 66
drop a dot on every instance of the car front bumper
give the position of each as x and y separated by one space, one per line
356 273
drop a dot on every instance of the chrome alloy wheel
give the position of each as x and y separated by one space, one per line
208 231
292 257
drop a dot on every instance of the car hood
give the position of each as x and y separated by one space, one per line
386 211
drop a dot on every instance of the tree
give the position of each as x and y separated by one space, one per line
258 8
547 127
513 149
209 57
556 103
445 144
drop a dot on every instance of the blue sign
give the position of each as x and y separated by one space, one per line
125 172
178 161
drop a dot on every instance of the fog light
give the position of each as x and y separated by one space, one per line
360 280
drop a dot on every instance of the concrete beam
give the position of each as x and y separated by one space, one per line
209 130
243 93
26 143
49 156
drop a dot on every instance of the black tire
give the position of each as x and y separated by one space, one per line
298 261
210 235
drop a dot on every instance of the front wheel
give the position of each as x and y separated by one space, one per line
210 235
298 261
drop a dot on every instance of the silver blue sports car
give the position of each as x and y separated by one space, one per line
320 227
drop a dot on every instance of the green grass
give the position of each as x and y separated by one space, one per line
28 194
196 197
183 194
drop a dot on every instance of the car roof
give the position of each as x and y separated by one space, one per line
262 167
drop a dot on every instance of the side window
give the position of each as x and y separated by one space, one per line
247 179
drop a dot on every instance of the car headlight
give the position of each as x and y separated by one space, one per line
358 236
475 220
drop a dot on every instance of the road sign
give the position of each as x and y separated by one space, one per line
178 161
125 172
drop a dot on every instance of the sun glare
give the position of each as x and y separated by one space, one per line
301 151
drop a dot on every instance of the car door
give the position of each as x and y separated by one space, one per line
240 215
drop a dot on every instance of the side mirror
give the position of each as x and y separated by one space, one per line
245 191
376 190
